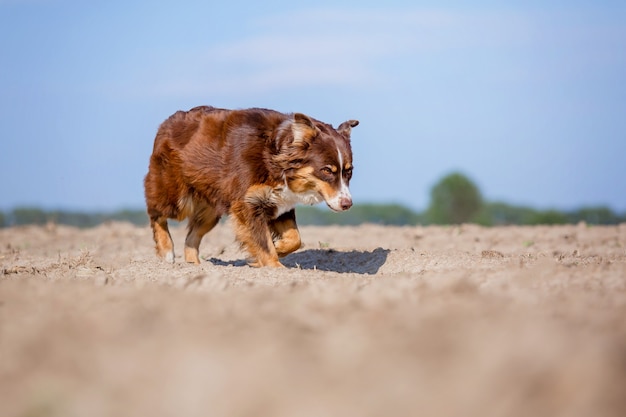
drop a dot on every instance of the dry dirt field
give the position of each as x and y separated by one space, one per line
364 321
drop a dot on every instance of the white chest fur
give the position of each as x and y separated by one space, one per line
285 199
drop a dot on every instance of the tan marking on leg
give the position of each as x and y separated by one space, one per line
191 255
287 236
288 243
163 239
266 261
253 233
201 221
258 256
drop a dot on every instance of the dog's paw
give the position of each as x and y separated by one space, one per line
169 257
270 263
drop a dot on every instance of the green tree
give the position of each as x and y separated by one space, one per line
454 199
548 217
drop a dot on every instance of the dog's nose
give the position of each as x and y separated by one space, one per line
345 203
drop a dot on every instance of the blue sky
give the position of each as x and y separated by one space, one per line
526 98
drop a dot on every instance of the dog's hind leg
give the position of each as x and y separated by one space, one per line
162 238
201 221
285 232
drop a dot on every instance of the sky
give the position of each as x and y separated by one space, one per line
526 98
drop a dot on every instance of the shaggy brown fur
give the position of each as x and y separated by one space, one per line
254 165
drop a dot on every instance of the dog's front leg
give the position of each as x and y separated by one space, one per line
285 232
253 232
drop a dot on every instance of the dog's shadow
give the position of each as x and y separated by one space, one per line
358 262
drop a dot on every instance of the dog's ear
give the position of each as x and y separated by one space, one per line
345 128
303 129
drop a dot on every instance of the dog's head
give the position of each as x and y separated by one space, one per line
318 159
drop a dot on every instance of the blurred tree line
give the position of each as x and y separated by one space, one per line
455 199
31 215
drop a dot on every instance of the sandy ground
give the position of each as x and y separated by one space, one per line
365 321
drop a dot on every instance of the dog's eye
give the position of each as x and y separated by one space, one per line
327 174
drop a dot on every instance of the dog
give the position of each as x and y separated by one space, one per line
254 165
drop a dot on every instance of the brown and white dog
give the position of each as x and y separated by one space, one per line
254 165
